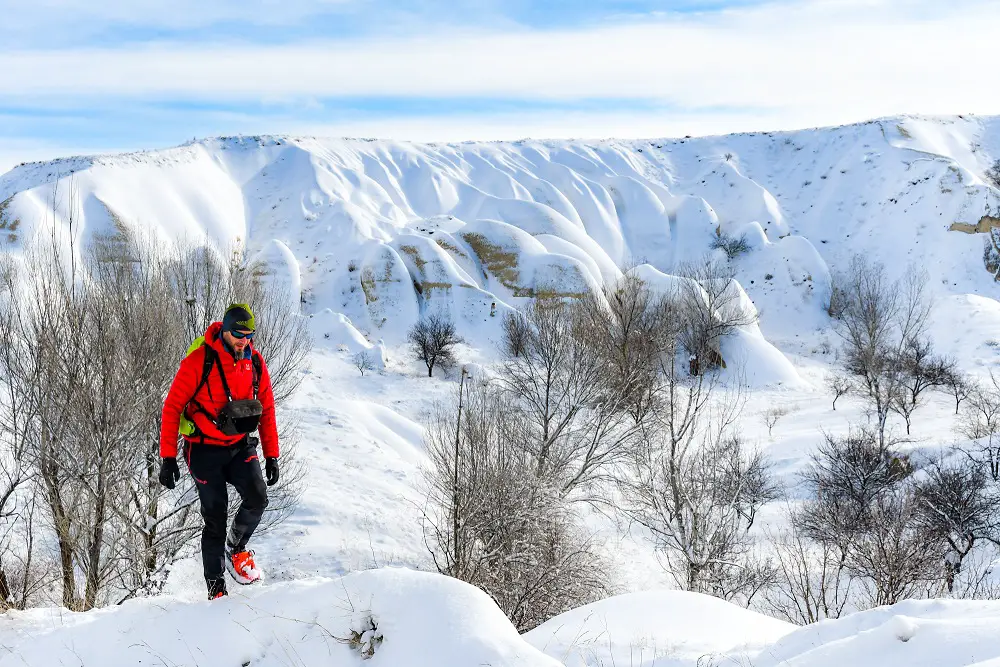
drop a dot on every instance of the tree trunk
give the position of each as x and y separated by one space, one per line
94 550
63 536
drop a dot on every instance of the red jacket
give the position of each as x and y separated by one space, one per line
239 375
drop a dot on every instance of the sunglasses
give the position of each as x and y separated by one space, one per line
242 334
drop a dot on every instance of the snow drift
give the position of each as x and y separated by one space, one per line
654 628
405 618
399 617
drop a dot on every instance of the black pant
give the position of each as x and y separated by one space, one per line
213 467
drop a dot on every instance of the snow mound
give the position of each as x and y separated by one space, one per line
654 627
915 633
403 617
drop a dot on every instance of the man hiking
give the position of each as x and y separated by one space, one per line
221 394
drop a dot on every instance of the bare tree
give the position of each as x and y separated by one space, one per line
696 504
122 388
710 306
688 479
977 578
93 438
921 370
837 299
812 579
838 385
516 332
981 422
864 506
957 505
363 362
628 326
433 339
896 558
846 477
958 384
992 174
733 246
879 319
772 415
24 568
43 311
490 521
576 415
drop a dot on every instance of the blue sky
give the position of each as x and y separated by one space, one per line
91 76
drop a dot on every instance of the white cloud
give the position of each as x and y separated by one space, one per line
836 58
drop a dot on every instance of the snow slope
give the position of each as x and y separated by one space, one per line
915 633
368 235
379 232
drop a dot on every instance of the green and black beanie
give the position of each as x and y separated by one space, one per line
238 316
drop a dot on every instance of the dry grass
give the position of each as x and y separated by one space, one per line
498 261
423 287
5 220
368 285
414 253
451 247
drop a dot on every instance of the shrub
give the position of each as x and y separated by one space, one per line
993 174
731 245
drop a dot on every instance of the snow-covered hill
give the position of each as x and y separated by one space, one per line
380 231
368 235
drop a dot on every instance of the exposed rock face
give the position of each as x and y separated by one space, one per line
985 224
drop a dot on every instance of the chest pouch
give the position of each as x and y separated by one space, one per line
242 416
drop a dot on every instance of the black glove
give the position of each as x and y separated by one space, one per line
271 469
169 472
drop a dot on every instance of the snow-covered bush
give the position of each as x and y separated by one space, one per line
993 174
991 256
365 637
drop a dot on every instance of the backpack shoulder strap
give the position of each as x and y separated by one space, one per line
206 368
258 362
222 375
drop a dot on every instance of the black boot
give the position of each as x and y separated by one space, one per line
216 588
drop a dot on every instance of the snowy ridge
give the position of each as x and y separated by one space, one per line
380 231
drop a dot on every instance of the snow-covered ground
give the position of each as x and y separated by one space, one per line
371 234
404 618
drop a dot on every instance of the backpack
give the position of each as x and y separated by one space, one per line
187 426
